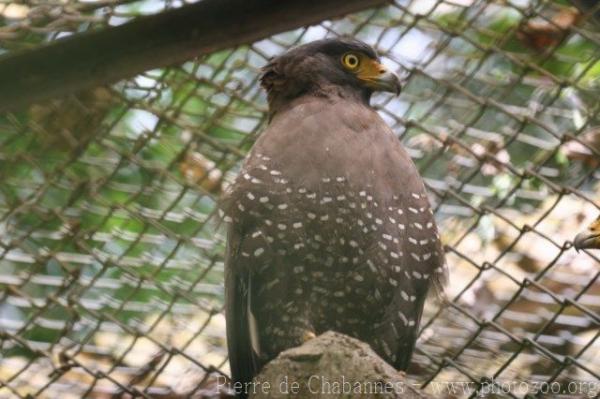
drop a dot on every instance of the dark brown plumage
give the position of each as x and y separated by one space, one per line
330 226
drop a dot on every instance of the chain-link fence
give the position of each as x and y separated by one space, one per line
111 262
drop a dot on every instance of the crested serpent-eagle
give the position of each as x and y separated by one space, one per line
590 238
330 226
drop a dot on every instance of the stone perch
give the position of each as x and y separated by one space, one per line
332 365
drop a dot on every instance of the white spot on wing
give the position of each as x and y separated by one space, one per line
403 318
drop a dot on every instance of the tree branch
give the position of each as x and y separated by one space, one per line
99 57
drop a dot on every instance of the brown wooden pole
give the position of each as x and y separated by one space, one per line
99 57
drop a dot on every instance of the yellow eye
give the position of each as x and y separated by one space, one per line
350 61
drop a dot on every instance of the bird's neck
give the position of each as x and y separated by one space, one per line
281 100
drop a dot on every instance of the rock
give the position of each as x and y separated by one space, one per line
331 365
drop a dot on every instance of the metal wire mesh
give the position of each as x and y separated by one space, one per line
111 262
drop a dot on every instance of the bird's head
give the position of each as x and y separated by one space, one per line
343 66
590 238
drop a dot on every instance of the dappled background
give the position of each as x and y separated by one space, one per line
111 257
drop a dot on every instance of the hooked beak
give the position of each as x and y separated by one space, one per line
590 238
587 240
377 77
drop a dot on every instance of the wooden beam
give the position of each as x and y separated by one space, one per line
105 56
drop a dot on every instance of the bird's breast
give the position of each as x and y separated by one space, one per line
339 234
334 217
